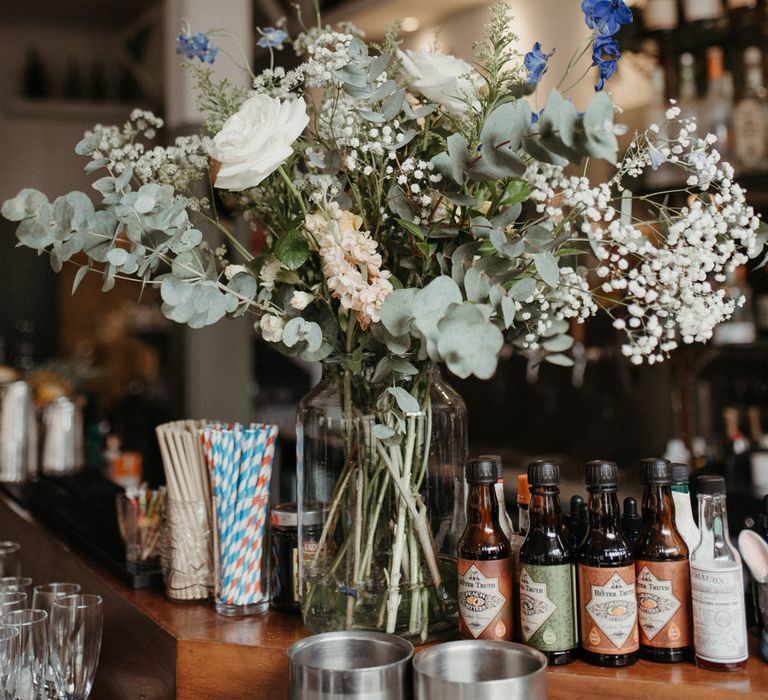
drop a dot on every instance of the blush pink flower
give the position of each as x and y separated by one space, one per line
351 263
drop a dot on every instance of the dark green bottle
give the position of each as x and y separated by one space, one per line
547 586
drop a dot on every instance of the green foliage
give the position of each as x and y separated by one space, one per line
217 100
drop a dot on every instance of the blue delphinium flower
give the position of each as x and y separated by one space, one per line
196 46
536 63
605 55
272 38
606 16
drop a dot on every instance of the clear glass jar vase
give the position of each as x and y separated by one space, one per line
380 452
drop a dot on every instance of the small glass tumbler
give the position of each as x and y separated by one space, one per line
12 600
33 639
241 556
16 584
140 529
76 625
186 553
10 658
42 599
10 559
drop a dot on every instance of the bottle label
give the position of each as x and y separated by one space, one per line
547 607
661 14
749 120
485 599
608 609
696 10
719 618
663 610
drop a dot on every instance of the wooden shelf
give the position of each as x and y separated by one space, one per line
155 649
85 110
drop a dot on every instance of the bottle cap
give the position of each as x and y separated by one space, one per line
496 459
576 501
483 471
601 476
523 490
541 473
654 470
680 473
710 484
630 510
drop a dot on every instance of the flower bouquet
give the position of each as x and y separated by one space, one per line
417 210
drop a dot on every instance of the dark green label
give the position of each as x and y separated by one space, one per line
548 606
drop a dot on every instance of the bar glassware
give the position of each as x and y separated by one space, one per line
140 520
12 600
33 639
42 599
17 584
186 554
76 623
9 661
241 556
10 559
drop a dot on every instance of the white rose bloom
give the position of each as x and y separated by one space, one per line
269 272
301 300
231 270
271 328
441 78
256 140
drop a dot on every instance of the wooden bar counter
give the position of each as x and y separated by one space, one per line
154 649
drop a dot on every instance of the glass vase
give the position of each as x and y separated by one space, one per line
380 453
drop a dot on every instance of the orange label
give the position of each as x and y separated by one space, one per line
663 603
608 609
485 599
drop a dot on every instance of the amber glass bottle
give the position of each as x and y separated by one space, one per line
607 605
661 569
547 596
485 566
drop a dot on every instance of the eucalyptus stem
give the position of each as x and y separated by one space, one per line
229 236
295 192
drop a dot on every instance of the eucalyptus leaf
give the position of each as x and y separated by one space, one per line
88 144
79 277
457 152
405 401
523 289
468 343
396 312
383 432
476 285
546 266
558 343
560 360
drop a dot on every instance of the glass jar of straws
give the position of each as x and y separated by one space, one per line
187 543
240 462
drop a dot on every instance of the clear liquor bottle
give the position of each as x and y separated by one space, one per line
719 611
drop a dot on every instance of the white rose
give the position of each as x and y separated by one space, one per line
231 270
301 300
271 328
441 78
269 272
256 140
